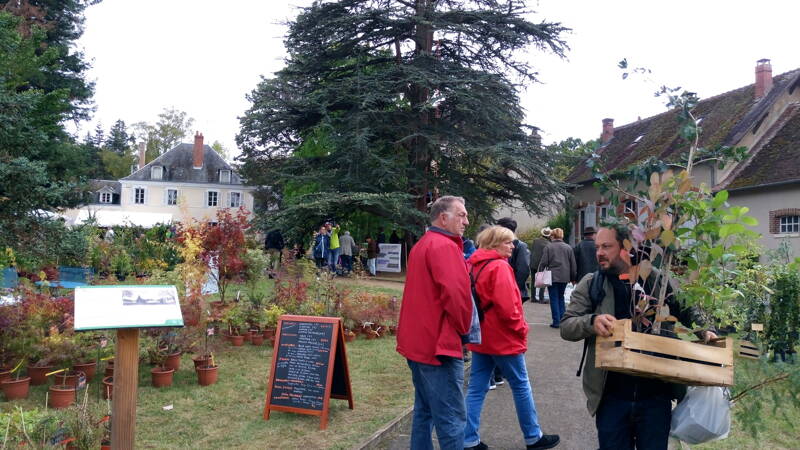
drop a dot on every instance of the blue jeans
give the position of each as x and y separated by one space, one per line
513 368
438 402
333 258
347 263
641 424
557 306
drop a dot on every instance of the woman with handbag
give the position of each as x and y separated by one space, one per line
559 259
504 338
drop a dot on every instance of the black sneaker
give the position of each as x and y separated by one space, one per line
480 446
546 441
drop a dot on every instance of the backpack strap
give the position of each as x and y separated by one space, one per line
473 280
597 293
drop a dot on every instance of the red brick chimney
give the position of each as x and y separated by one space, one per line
763 78
197 153
142 149
608 131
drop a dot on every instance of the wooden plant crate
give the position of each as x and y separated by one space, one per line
672 360
749 350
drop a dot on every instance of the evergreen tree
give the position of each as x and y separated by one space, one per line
385 104
119 141
41 86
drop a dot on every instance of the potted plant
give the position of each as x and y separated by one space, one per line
161 374
206 368
236 320
270 318
16 386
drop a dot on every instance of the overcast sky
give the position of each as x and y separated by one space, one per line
203 57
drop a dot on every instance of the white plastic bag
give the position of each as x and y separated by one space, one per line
703 415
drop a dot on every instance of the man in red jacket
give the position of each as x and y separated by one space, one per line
436 312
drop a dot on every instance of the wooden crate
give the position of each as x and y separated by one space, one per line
667 359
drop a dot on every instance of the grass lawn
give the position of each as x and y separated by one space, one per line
229 413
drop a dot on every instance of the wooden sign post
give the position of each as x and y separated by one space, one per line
126 309
309 366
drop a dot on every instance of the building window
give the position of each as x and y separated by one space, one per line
138 196
212 198
790 224
156 172
224 176
581 223
172 197
105 197
235 199
784 221
603 213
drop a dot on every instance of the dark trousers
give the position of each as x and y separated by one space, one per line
347 263
642 424
557 305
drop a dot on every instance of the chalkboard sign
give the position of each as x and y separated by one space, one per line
309 366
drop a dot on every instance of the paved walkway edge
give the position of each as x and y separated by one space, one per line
390 429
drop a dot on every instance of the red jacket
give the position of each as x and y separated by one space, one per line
437 306
504 330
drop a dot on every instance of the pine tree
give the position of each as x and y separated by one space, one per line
386 104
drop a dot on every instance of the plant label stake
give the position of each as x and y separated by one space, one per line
309 366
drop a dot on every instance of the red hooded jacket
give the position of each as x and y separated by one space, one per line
437 305
504 330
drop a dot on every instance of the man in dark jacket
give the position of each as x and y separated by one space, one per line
585 257
537 249
519 260
631 411
274 246
436 312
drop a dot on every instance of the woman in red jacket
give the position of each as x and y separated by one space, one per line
504 334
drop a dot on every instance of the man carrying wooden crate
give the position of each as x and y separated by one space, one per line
630 411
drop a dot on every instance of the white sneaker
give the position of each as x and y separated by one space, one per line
492 387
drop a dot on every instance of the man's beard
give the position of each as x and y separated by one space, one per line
615 267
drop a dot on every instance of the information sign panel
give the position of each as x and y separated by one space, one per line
110 307
389 257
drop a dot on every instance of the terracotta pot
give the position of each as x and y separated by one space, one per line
173 361
70 378
61 396
5 374
37 374
108 387
269 333
349 336
105 445
201 360
237 341
257 339
206 375
109 372
161 377
272 340
248 336
89 369
16 388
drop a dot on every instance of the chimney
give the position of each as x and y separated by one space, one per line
197 154
142 149
608 131
763 78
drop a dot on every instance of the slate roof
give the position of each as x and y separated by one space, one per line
725 120
778 160
178 167
97 185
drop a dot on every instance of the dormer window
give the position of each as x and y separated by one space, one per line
156 172
105 197
224 176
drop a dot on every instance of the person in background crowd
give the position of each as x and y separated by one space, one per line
381 236
394 238
348 246
559 259
504 337
372 256
520 259
537 248
585 258
274 244
322 243
436 312
333 255
469 247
